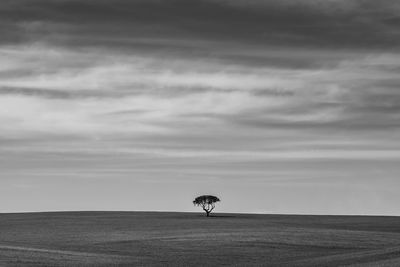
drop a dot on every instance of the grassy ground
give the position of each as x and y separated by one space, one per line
190 239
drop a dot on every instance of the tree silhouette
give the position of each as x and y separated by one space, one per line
207 202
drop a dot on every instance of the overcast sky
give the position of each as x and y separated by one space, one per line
274 106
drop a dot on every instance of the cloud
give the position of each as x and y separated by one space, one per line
341 24
212 88
93 85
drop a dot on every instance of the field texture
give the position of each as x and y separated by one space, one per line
190 239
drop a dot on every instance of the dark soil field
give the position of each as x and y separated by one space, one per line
190 239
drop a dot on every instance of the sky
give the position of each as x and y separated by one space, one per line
274 106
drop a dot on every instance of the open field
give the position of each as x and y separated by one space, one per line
190 239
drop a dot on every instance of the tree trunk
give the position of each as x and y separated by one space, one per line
208 213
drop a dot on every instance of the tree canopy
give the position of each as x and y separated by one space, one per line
207 202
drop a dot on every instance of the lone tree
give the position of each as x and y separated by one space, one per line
207 202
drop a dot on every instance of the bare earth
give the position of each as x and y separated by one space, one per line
190 239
